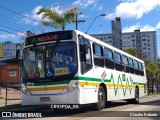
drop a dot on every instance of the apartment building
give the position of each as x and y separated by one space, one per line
145 42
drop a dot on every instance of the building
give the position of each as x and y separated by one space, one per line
9 68
116 33
9 72
144 42
9 50
107 38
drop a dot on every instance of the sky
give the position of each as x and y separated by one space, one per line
19 16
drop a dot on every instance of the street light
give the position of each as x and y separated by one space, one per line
94 20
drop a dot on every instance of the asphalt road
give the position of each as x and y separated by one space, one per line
148 108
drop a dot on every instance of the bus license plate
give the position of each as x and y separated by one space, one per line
45 98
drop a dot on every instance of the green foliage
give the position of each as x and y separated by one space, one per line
152 69
131 51
51 17
153 72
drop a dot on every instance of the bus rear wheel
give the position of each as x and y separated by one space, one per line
136 99
100 105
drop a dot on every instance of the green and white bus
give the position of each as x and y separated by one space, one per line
70 67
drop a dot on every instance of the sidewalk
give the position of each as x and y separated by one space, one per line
9 102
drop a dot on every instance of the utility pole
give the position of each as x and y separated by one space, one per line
6 93
77 21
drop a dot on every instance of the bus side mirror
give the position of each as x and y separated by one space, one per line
17 55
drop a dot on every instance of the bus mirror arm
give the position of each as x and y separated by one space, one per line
17 55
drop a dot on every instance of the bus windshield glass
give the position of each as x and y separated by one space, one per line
49 61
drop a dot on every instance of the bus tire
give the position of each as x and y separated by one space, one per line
136 99
100 105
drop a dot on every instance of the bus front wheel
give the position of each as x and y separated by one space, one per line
101 99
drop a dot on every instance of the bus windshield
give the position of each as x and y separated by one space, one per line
49 61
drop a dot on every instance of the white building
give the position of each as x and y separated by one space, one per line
107 38
9 50
145 42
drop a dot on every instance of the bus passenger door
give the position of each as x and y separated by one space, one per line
86 69
99 70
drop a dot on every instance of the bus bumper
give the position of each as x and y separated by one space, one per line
71 97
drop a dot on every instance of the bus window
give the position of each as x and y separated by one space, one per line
117 60
136 67
141 69
108 55
85 58
125 63
131 65
98 55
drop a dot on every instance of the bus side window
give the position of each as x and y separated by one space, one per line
85 57
125 64
98 55
108 55
117 61
131 66
141 69
136 69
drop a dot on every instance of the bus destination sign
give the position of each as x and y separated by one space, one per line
51 36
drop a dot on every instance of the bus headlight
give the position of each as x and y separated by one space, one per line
72 86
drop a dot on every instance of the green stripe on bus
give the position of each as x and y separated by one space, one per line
88 79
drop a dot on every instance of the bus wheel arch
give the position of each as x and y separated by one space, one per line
135 100
101 98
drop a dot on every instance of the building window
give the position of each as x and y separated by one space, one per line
144 48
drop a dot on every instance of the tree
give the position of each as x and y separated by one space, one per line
153 73
52 18
131 51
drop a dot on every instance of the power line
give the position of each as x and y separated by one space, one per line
11 33
10 28
16 13
8 23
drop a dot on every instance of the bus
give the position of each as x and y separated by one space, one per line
71 67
